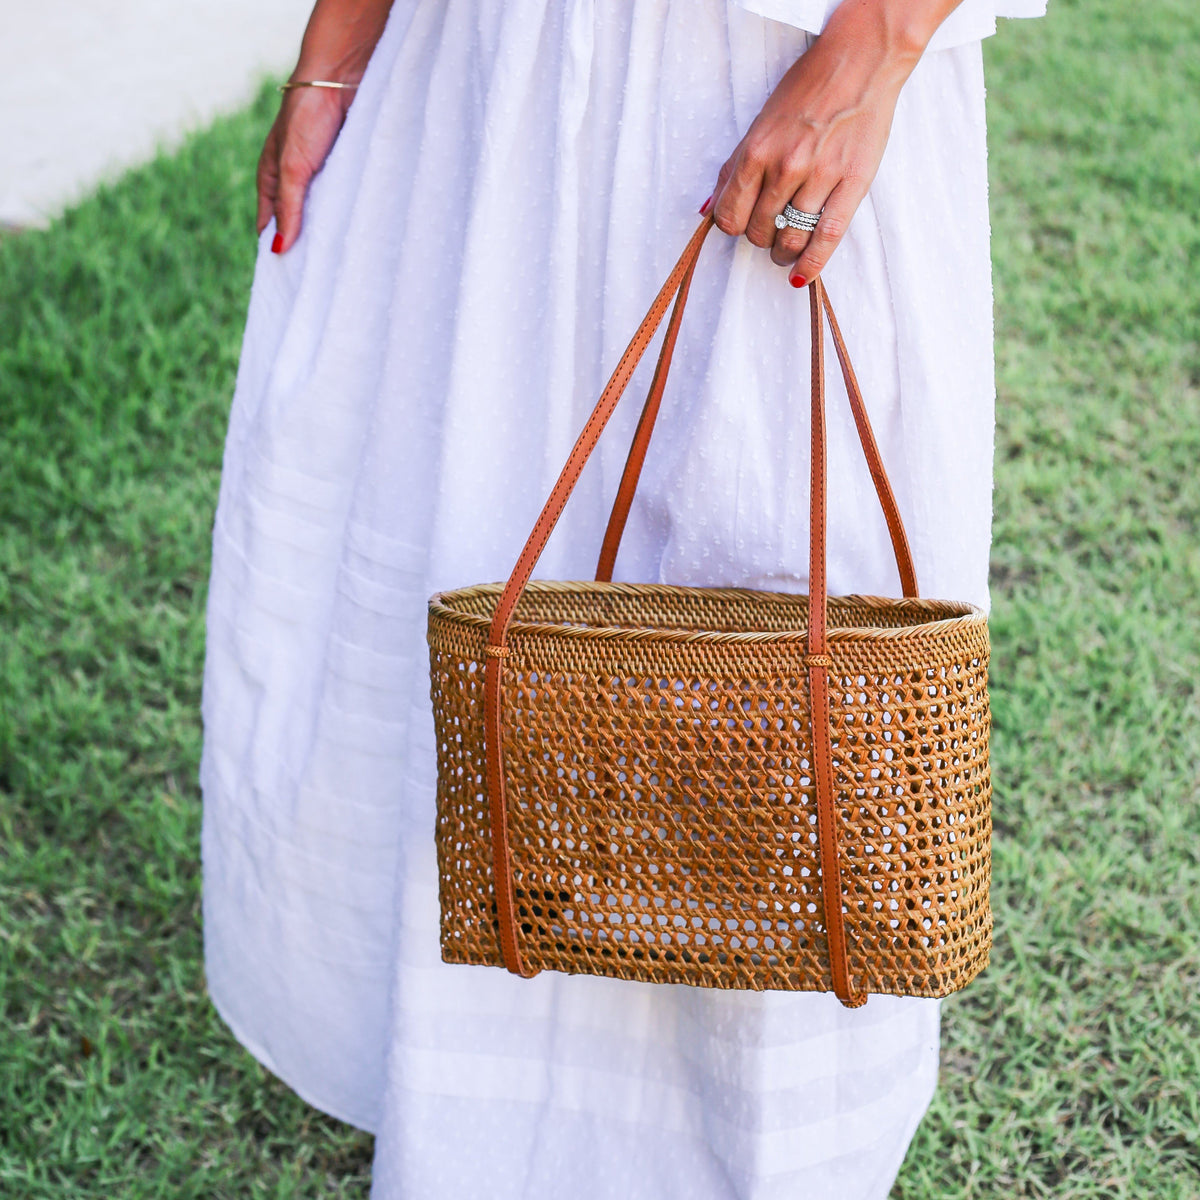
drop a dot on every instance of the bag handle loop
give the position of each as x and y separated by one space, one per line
816 658
866 436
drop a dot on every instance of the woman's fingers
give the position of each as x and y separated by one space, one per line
738 184
789 242
776 184
743 204
831 228
294 175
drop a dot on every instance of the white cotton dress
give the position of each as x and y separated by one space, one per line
513 183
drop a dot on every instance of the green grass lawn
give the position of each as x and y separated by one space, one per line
1071 1069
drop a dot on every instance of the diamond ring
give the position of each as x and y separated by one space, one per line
797 219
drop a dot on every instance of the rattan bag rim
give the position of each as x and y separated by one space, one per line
959 615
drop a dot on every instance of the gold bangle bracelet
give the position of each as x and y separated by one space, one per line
321 83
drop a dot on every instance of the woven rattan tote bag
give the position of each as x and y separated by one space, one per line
715 786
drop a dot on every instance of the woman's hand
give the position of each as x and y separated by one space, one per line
820 136
304 131
337 46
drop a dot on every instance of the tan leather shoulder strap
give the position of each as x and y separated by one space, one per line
817 668
641 437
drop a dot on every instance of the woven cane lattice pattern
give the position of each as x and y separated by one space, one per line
662 810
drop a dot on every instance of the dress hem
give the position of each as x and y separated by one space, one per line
264 1060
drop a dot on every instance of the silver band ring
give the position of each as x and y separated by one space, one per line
797 219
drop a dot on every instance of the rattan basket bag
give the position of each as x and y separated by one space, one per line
716 786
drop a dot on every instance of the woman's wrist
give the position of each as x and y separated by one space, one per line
890 35
340 38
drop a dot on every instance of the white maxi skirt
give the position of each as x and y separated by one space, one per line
512 185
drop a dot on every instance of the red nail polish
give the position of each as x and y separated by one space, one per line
706 206
277 244
797 280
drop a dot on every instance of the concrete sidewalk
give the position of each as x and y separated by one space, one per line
91 87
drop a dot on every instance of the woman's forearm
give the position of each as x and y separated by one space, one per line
891 34
915 21
340 38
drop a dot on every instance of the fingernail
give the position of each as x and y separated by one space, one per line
706 205
277 244
797 280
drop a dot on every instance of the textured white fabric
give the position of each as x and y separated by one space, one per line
970 21
513 183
